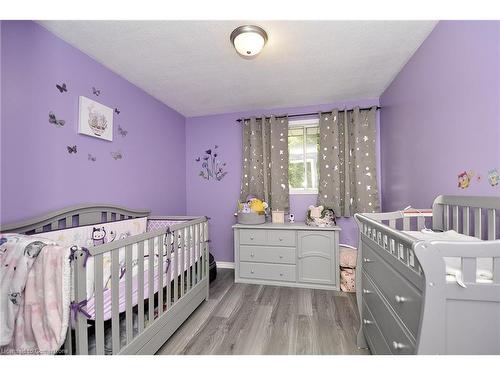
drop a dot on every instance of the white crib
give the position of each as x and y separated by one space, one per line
181 250
407 303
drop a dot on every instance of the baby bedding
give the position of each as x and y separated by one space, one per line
36 277
484 266
94 235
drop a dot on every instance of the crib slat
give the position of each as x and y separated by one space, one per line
469 270
151 270
140 285
198 252
477 222
99 304
420 222
115 308
392 223
169 269
182 260
188 260
192 255
205 250
455 218
175 246
128 293
160 274
496 270
81 295
406 223
491 225
466 221
446 217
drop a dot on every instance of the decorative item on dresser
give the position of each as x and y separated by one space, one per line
289 254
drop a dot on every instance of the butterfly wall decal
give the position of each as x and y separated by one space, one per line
62 88
122 131
117 111
55 121
72 149
117 155
95 91
92 157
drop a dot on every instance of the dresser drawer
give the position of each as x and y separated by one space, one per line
281 237
393 332
278 272
268 254
404 298
253 237
372 333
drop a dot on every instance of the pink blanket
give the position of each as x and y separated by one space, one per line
41 321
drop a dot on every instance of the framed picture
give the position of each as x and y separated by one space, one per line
95 119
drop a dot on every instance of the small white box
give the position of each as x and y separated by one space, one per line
278 217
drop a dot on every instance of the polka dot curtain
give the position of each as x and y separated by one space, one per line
265 161
347 161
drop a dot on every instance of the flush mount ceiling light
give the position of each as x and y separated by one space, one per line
248 40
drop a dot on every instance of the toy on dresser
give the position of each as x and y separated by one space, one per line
320 216
253 211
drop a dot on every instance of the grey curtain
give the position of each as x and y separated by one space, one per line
347 161
265 161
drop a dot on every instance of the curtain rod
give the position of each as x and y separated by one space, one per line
310 114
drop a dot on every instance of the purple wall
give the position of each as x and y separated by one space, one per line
38 174
218 199
441 116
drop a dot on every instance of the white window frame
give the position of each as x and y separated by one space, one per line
303 123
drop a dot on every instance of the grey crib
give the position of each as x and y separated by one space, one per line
144 328
406 304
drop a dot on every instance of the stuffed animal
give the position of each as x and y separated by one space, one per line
320 216
315 212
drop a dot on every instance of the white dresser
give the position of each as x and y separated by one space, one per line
287 254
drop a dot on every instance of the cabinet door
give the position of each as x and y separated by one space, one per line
316 257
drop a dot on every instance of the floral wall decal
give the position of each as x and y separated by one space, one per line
211 166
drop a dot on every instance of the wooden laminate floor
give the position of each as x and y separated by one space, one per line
256 319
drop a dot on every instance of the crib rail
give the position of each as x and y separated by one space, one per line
398 247
176 258
472 216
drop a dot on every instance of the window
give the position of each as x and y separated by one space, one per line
303 147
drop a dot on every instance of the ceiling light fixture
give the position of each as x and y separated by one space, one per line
248 40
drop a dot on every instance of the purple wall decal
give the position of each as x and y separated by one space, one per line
218 201
441 116
38 175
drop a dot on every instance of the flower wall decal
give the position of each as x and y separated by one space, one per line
211 166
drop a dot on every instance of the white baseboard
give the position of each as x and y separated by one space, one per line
229 265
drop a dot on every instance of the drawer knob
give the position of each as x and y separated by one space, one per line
281 256
398 346
251 271
367 260
400 299
281 239
281 273
367 291
367 322
252 255
251 238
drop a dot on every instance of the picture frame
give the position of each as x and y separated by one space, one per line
95 119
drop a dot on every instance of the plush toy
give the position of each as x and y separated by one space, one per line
315 212
252 205
320 216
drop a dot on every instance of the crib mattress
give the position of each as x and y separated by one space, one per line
484 266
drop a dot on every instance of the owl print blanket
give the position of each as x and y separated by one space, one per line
35 295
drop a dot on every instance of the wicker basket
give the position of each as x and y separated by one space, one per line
251 218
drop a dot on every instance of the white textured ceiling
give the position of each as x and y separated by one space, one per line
192 67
